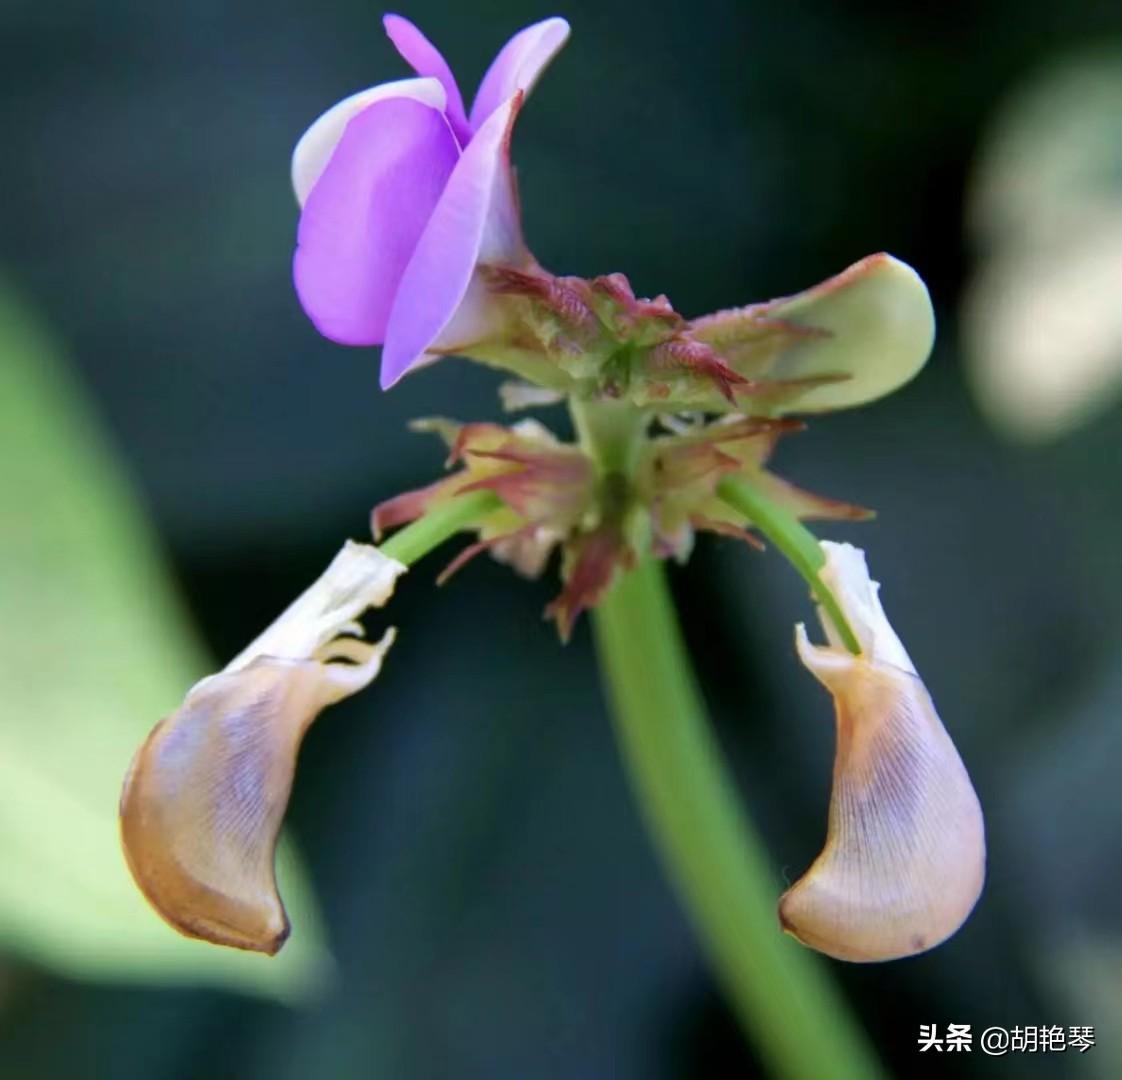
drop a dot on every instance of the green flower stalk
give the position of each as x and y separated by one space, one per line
410 238
786 1002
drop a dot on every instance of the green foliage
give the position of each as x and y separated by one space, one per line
94 649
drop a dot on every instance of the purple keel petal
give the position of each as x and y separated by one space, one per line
365 215
425 59
476 219
518 66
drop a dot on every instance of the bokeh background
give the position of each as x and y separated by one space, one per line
180 454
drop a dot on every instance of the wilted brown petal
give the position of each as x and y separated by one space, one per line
904 859
205 795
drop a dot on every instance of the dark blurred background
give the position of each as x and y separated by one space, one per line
492 901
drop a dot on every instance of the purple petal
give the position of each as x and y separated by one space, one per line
425 59
365 214
317 144
518 66
475 220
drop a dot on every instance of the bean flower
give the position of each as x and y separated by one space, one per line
404 194
410 238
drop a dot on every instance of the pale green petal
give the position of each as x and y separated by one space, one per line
880 330
94 649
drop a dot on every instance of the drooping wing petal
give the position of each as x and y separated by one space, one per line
905 853
872 323
475 220
318 143
426 59
203 802
204 797
904 859
365 215
518 66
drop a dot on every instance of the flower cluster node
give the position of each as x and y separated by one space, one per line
598 338
556 496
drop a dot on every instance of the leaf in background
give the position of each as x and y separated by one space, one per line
94 649
1043 321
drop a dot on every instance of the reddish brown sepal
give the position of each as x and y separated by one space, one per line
595 557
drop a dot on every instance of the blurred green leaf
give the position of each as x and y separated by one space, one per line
94 649
1042 323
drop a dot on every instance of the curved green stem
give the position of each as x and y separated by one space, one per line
795 540
417 539
610 432
780 991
